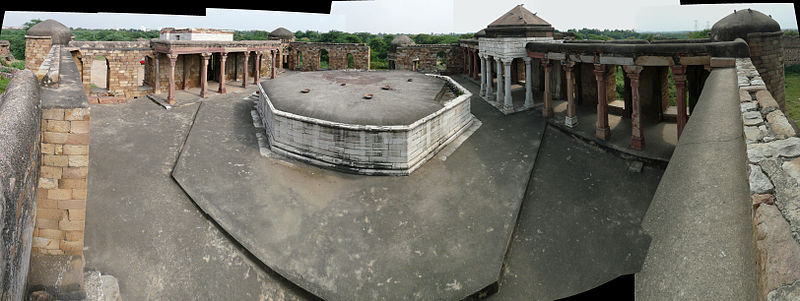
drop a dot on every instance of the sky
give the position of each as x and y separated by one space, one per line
432 16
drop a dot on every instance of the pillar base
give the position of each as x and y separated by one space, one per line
602 133
571 121
547 113
171 101
637 143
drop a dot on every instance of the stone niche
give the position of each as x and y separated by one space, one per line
334 125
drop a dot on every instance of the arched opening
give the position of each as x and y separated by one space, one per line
100 74
441 61
351 62
299 59
324 60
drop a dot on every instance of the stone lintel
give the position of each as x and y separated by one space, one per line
651 60
723 62
694 60
556 56
615 60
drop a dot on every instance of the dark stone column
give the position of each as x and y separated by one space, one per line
204 75
222 57
679 75
171 93
547 109
244 74
475 64
637 136
602 131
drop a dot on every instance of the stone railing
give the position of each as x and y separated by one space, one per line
366 149
773 151
700 216
48 71
20 115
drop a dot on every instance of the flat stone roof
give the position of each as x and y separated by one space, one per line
328 100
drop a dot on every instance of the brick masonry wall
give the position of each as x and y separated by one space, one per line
19 175
766 54
337 55
36 49
791 49
123 67
61 204
427 55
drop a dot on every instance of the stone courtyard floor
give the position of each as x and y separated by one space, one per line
519 203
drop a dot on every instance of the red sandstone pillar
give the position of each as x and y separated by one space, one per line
273 72
258 68
571 119
602 130
222 57
185 74
466 58
244 79
547 109
171 93
204 75
679 75
637 136
156 80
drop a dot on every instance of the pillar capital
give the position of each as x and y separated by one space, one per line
527 59
632 69
506 61
205 55
599 69
567 64
172 56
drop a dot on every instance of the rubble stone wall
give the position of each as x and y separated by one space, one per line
337 55
427 56
773 151
791 49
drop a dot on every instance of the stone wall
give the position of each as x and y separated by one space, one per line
5 51
123 63
366 149
773 151
791 49
19 175
766 54
36 48
427 55
337 55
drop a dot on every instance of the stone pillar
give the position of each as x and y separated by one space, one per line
204 75
244 78
222 57
185 73
507 103
86 76
572 119
679 75
273 73
528 82
499 68
475 62
156 79
171 93
489 92
637 136
483 75
464 53
258 68
602 131
547 94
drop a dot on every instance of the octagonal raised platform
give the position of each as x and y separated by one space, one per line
323 118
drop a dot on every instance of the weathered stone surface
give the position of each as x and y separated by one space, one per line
753 133
777 254
744 96
752 118
759 151
759 182
785 293
749 106
780 125
788 148
792 169
766 101
758 199
787 194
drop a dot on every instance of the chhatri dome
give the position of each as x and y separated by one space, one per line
58 33
740 23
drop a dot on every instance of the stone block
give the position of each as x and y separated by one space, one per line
45 243
76 214
55 160
79 126
55 138
59 194
792 169
76 114
79 139
72 183
50 234
75 172
73 235
48 183
51 172
47 204
70 149
78 160
47 148
759 182
777 254
79 194
68 225
53 114
56 214
780 125
46 223
59 126
71 204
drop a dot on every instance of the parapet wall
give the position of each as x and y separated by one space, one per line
20 115
766 54
773 151
365 149
337 55
700 216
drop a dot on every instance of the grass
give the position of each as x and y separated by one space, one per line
792 74
3 83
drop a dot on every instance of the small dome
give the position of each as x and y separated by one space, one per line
281 33
740 23
481 33
402 40
58 33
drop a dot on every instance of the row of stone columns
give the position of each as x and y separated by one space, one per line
471 68
204 73
503 75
